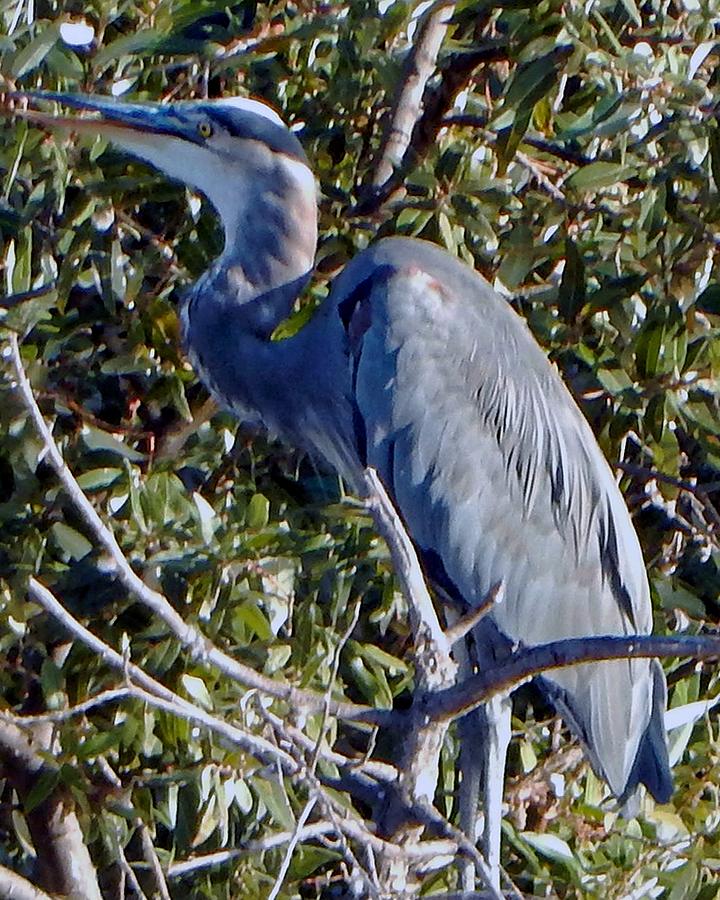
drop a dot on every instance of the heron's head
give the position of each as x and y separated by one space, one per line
233 150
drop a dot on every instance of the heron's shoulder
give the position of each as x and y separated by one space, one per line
413 256
418 294
409 274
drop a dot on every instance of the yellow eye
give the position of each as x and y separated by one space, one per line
204 129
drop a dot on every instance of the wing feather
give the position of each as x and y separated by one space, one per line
497 474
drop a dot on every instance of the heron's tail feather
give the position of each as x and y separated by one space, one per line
651 766
608 727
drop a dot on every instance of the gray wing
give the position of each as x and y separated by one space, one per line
498 475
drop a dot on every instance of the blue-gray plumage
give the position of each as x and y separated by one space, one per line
415 366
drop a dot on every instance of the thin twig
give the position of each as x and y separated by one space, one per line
271 842
151 857
128 872
434 663
432 819
23 296
374 769
434 668
55 717
292 844
464 625
330 808
344 638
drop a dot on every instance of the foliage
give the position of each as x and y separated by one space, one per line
579 172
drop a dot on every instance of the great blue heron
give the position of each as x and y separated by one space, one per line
416 367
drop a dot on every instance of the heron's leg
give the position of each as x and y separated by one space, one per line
484 738
497 737
471 734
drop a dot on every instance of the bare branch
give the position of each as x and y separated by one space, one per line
271 842
438 824
531 661
151 858
407 108
115 695
435 670
437 102
434 663
63 863
128 872
15 887
147 689
331 810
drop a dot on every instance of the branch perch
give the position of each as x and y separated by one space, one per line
528 662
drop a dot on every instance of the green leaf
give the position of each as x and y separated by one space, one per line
633 11
197 690
446 232
53 684
273 795
96 479
648 349
406 217
598 175
371 653
308 859
146 41
615 380
674 596
551 847
42 786
95 439
71 542
98 744
34 53
518 259
249 615
532 80
571 294
258 511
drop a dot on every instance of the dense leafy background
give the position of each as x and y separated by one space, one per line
581 175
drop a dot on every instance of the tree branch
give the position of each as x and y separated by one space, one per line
436 103
531 661
15 887
144 687
62 861
435 671
223 857
201 649
407 108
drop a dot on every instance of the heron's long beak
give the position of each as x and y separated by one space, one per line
114 118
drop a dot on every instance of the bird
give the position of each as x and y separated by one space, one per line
415 366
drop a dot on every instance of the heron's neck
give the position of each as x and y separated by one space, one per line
270 241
